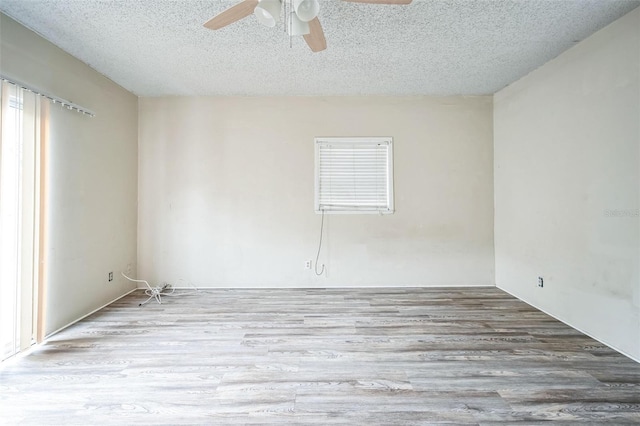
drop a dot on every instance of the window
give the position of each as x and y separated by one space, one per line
354 175
20 113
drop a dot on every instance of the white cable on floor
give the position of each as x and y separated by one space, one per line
154 292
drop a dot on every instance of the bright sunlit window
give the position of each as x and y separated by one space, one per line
354 175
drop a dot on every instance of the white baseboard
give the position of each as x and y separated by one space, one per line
27 351
90 313
336 287
574 327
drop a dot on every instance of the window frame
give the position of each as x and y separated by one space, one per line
364 140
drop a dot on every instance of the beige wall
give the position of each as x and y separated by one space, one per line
92 165
226 192
226 187
567 181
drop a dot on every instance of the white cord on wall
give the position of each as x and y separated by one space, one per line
315 266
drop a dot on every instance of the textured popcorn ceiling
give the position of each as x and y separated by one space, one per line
438 47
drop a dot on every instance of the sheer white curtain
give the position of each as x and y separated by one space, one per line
22 127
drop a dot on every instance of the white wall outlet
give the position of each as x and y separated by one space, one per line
540 282
128 269
307 264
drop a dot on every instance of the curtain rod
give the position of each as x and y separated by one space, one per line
56 100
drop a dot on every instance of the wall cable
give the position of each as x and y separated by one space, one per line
158 291
315 266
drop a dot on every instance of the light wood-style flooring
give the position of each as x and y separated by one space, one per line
324 356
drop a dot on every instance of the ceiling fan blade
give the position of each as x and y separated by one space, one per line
231 15
315 39
380 1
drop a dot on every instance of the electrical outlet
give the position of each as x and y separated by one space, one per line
110 276
307 264
540 282
128 270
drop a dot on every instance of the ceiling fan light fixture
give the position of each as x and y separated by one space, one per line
297 26
268 12
306 10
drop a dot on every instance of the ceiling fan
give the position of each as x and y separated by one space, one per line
301 17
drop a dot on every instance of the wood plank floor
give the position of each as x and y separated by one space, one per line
346 356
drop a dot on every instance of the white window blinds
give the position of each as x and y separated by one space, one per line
354 175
